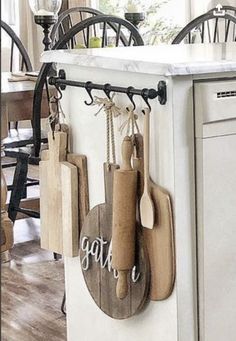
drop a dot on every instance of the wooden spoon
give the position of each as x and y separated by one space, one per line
146 204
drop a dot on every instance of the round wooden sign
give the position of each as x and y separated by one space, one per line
96 259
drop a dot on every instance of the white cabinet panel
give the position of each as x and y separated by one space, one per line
216 101
216 205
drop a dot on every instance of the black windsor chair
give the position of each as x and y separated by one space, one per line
210 27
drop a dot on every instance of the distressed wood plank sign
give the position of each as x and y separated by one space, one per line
96 260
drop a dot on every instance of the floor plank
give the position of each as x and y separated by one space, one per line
32 289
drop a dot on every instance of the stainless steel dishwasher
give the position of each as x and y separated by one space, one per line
215 137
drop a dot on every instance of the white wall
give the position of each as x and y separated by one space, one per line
181 12
9 14
177 11
199 7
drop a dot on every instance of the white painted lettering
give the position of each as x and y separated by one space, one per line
97 250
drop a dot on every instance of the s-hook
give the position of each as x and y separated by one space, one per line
145 96
60 93
88 88
107 90
130 95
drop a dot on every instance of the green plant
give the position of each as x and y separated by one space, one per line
155 29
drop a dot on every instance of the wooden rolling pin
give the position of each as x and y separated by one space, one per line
124 218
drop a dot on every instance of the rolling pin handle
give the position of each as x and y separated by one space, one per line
122 285
127 151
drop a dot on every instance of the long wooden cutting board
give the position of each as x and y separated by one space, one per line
70 233
51 193
58 198
160 239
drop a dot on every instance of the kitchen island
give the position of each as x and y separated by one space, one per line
192 152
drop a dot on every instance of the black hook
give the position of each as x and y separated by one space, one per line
107 90
145 96
130 95
60 93
88 88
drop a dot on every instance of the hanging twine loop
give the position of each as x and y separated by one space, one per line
130 123
131 126
111 111
56 114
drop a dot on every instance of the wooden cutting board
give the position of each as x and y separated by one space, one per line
51 193
95 258
80 161
58 198
160 239
70 232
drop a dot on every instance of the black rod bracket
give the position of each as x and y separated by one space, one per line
162 92
61 82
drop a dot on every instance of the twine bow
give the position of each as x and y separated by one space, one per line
130 123
107 104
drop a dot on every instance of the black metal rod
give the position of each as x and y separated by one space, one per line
150 93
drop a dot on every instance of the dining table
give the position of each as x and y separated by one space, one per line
16 105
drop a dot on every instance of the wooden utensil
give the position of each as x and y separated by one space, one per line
146 204
124 218
160 239
59 212
95 258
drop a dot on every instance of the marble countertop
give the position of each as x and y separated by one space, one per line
166 60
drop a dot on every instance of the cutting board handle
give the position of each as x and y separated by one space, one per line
146 149
57 146
127 151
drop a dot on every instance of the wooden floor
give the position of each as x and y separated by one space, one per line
32 289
